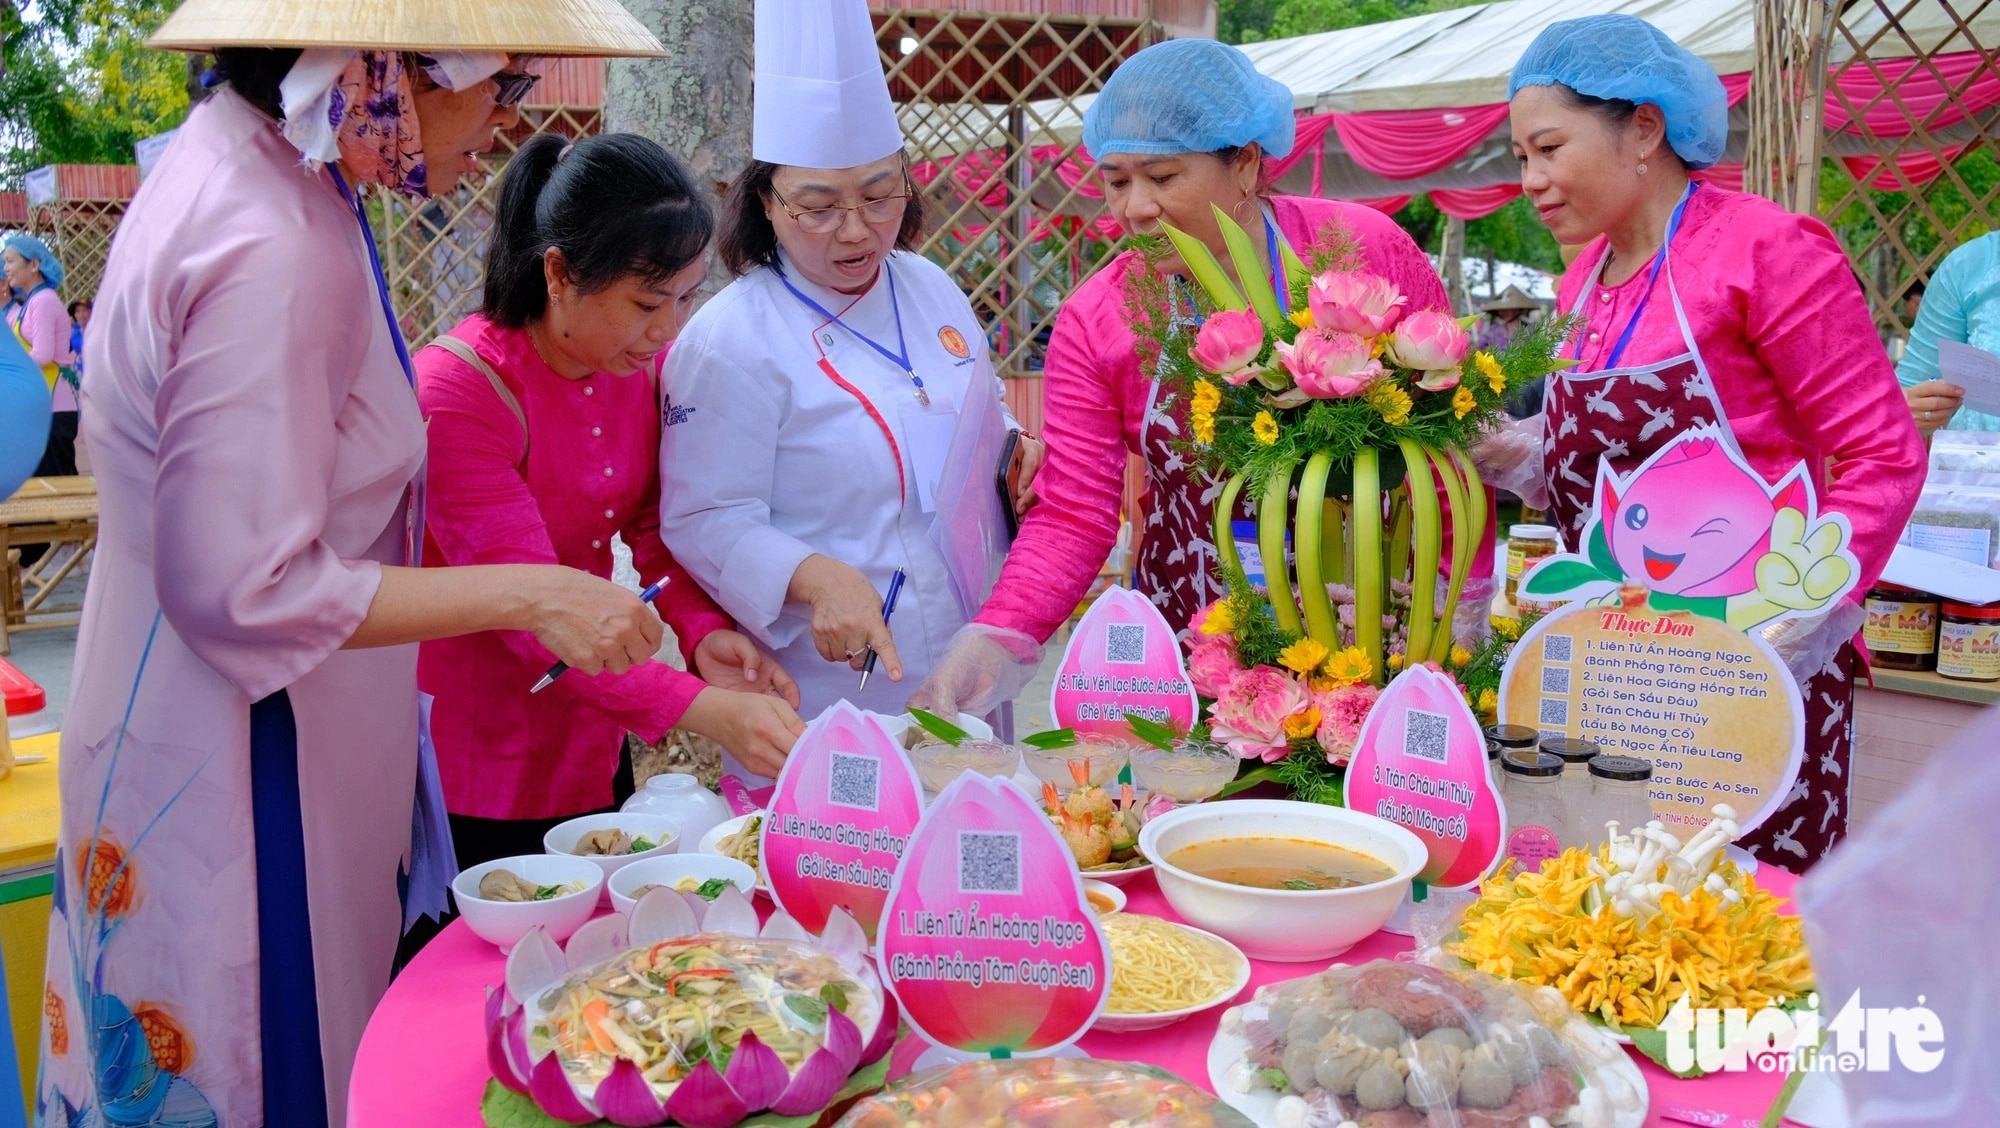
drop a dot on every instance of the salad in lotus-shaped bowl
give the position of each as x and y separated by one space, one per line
688 1014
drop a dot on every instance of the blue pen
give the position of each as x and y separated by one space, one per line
888 609
556 671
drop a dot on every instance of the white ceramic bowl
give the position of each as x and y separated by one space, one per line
1125 1023
563 837
670 870
1107 891
718 832
1290 925
503 923
901 723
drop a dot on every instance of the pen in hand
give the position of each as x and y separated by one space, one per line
556 671
888 609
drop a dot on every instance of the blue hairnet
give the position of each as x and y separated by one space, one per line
1624 57
1189 96
33 249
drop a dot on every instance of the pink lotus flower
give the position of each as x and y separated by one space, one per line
1330 365
1341 714
1355 302
1212 664
1250 715
1433 344
1227 345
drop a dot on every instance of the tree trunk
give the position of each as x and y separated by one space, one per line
696 101
1451 263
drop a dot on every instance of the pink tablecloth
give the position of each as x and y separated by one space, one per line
423 1057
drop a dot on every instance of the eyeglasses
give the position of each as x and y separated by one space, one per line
825 221
513 86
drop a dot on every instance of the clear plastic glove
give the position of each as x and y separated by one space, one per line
1472 622
1806 645
1509 457
982 668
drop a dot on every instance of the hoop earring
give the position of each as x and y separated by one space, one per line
1642 168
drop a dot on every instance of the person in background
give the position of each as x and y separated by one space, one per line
1742 312
1505 316
597 248
36 315
813 400
241 757
1181 129
79 318
1961 304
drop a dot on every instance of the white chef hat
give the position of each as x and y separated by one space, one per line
821 98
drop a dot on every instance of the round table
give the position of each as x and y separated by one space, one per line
423 1057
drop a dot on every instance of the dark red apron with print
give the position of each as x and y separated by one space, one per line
1624 415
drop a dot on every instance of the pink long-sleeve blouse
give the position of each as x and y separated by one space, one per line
1790 348
1095 394
44 326
591 471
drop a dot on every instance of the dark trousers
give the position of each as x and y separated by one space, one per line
58 460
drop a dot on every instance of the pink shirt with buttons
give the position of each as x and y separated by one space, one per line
592 470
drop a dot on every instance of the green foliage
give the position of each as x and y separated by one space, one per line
1253 21
80 85
1856 225
1512 234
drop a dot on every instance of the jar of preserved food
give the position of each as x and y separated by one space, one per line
1618 786
1527 545
1902 627
1537 819
1576 756
1493 765
1969 642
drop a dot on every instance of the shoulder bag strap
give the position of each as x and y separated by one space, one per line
471 356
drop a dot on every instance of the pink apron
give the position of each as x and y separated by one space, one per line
1623 415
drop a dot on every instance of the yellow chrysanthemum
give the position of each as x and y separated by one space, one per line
1221 619
1298 726
1489 367
1463 401
1395 663
1489 703
1265 427
1392 401
1460 657
1303 656
1509 629
1202 424
1348 667
1303 318
1207 397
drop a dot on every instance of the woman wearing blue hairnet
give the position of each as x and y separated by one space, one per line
1181 129
1704 306
36 315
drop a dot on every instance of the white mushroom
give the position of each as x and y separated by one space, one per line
1292 1112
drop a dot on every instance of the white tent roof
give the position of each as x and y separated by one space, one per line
1463 57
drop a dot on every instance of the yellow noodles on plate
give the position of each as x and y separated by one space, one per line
1159 966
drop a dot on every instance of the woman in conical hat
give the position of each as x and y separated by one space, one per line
240 758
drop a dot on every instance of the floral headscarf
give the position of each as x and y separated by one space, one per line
356 107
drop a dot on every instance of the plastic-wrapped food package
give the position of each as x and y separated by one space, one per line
1394 1045
1042 1093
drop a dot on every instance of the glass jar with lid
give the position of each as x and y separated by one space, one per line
1576 756
1969 642
1901 628
1618 793
1537 819
1527 546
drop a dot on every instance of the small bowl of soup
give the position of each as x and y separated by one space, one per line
1282 880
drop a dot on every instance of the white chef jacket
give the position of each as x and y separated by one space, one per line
777 445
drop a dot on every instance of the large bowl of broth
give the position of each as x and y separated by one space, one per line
1282 880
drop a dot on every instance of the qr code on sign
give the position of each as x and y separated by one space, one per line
1555 679
989 861
854 781
1555 711
1125 643
1424 735
1555 648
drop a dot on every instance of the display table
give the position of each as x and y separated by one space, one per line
1900 722
57 512
29 813
423 1056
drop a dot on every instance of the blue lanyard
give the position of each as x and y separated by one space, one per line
381 279
1277 275
900 358
1659 259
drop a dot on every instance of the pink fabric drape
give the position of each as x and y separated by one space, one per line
1932 94
1919 168
1474 203
1406 144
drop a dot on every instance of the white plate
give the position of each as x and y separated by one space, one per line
722 830
1116 877
1260 1104
1125 1023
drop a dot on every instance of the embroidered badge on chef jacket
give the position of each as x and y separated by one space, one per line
954 342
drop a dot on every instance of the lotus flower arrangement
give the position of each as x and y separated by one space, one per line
1344 418
696 948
